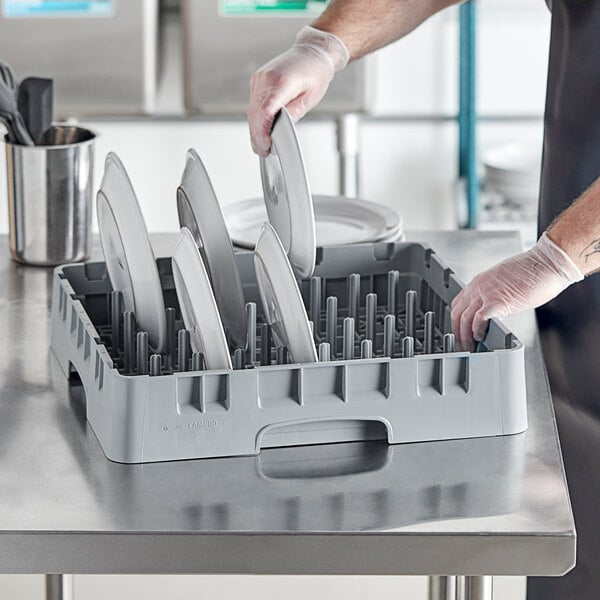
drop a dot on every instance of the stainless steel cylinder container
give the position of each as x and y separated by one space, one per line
50 191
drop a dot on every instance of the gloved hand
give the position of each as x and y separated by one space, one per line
522 282
296 79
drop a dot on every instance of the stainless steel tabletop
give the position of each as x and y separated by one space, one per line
478 507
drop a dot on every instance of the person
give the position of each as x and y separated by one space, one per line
569 217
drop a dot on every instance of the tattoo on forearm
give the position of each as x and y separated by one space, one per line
590 250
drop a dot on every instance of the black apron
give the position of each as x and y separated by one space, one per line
570 324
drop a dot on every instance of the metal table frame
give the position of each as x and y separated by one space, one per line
466 508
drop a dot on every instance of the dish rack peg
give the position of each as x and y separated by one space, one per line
428 333
251 333
392 298
371 318
389 332
183 349
170 354
331 317
197 361
314 309
324 352
366 349
128 341
449 342
239 359
348 338
142 353
353 295
410 312
155 365
116 314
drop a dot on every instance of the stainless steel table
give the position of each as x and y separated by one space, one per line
482 507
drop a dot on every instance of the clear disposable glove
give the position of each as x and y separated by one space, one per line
522 282
296 79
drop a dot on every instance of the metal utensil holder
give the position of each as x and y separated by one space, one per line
50 197
388 368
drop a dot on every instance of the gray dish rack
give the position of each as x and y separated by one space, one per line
388 368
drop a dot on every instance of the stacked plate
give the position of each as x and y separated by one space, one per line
513 171
338 220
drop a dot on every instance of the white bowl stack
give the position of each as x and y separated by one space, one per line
513 171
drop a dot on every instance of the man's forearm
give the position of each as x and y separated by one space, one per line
577 230
366 25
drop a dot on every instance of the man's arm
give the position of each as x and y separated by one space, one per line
568 250
577 230
347 30
367 26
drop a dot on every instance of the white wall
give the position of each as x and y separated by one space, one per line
409 166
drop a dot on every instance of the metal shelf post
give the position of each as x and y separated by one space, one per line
467 114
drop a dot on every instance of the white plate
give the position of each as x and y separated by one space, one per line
280 296
339 220
287 196
396 236
197 302
199 211
129 258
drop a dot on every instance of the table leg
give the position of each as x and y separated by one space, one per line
59 587
479 588
460 587
442 588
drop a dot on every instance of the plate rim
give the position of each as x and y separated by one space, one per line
300 209
227 288
239 239
269 241
187 250
144 262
